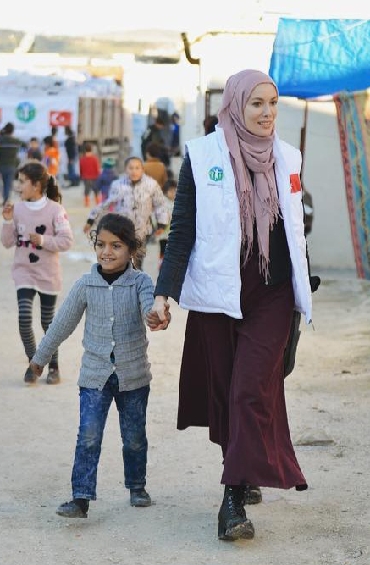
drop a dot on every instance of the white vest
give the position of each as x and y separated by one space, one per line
212 281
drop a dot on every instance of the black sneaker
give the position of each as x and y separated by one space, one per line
252 495
30 377
74 509
53 376
139 497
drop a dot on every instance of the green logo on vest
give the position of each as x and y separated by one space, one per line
216 174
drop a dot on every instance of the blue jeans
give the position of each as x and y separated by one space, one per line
94 407
8 175
72 175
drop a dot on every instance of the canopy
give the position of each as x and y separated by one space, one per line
314 58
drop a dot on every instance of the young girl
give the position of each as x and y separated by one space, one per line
51 156
115 299
106 177
169 191
38 227
138 197
89 173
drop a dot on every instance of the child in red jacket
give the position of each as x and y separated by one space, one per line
89 172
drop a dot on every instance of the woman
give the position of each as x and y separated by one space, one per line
236 259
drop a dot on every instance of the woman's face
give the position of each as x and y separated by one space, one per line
260 110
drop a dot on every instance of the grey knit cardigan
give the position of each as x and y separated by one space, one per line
114 322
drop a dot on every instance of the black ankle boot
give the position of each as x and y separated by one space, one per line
232 521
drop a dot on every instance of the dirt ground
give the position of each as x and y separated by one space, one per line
328 402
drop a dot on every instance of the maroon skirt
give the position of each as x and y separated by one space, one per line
232 381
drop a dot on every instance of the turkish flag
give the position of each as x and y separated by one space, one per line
295 183
60 118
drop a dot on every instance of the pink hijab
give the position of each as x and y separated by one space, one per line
258 200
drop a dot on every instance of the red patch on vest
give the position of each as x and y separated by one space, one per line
295 183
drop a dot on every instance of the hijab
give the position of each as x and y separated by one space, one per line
258 198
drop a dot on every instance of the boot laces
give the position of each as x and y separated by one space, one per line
234 502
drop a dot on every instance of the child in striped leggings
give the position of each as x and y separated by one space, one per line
39 229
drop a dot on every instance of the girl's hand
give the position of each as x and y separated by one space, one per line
37 369
155 324
8 211
36 239
87 229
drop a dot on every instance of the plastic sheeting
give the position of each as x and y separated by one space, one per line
313 58
354 133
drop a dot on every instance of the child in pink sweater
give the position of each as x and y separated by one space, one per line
38 227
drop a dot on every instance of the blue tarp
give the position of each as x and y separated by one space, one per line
314 58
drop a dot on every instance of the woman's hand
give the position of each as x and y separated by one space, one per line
87 229
8 211
159 317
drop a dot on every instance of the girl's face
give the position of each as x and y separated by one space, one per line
112 254
135 170
260 110
27 190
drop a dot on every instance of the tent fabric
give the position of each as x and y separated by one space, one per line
353 114
313 58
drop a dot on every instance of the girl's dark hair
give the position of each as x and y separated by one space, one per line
119 226
48 140
37 172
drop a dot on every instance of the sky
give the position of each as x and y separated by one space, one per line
76 17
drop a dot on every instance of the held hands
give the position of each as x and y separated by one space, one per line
37 369
8 211
159 317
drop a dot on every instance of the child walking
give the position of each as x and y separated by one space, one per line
116 298
153 166
51 156
89 172
38 228
138 197
169 191
106 177
34 149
